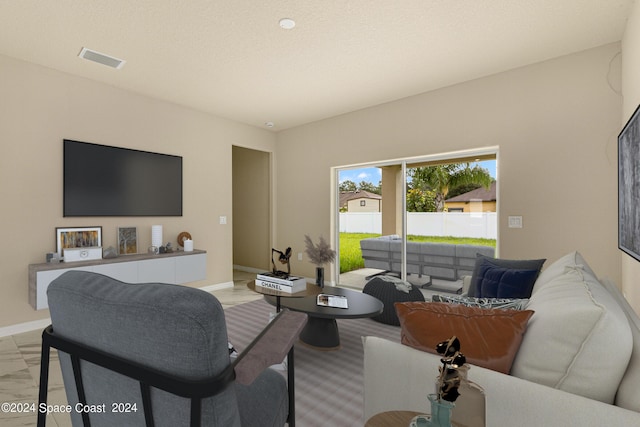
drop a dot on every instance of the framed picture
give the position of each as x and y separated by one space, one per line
629 187
77 237
127 240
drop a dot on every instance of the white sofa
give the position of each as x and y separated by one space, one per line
578 363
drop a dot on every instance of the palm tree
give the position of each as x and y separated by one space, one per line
441 178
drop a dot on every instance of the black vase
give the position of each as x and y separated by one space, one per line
320 276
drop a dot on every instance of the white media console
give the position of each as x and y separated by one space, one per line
176 268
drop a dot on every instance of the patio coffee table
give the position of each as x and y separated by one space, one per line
321 330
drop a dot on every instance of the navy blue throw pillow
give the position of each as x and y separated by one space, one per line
498 282
518 264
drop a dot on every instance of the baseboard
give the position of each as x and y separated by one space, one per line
20 328
248 269
217 287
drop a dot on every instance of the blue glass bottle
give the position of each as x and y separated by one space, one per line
440 414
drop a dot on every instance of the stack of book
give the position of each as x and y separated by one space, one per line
289 284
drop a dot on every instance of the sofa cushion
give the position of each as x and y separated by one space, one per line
482 260
579 339
627 396
510 401
489 337
558 268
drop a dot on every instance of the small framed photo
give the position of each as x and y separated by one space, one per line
77 237
127 240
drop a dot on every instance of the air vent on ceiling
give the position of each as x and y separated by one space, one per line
101 58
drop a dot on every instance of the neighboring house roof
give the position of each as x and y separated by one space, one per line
345 196
477 194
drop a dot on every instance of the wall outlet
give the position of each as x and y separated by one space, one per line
223 220
299 256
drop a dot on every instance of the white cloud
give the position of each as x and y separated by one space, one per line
372 175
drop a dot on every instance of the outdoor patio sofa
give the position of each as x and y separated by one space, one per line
437 260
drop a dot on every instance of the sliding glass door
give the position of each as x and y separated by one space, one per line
384 211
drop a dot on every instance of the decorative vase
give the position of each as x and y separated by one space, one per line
440 412
320 276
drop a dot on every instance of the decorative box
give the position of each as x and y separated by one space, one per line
82 254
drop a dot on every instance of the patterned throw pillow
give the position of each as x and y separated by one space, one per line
501 303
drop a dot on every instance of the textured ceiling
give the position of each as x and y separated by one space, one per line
232 59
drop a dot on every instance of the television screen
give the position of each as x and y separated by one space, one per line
100 180
629 187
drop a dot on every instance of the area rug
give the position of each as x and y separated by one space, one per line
329 384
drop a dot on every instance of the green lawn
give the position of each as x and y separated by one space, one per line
351 256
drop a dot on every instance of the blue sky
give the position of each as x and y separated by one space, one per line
374 175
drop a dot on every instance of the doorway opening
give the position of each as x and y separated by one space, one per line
252 218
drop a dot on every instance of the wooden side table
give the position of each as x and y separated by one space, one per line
391 419
396 419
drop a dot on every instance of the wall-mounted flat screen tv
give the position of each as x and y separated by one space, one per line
629 186
101 180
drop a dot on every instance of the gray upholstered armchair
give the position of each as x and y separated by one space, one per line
157 355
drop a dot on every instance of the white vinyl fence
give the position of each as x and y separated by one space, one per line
456 224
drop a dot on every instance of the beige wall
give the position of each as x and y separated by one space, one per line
251 208
39 107
631 99
555 124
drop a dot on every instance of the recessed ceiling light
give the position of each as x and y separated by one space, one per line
287 23
269 124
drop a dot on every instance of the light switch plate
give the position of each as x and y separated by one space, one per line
515 221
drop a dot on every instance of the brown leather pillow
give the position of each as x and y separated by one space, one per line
489 337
